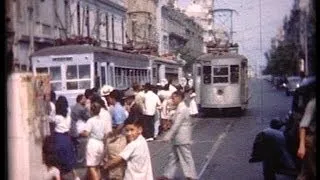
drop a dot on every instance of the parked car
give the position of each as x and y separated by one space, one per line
291 84
276 147
278 81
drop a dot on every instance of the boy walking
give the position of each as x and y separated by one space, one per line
136 153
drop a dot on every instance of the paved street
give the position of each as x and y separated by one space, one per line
222 145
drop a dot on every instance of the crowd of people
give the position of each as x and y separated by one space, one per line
107 131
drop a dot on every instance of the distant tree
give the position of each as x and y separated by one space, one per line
283 58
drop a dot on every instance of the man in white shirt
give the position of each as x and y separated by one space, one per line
151 103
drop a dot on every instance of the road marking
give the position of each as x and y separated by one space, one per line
214 149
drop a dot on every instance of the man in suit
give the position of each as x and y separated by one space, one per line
180 135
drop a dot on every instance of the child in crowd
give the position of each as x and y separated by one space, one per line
49 159
136 153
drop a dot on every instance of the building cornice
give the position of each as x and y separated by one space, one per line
108 3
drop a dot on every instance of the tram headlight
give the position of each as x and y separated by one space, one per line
220 92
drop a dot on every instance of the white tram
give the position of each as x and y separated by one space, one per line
74 68
221 81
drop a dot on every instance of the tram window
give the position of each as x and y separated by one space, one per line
220 71
76 76
42 70
84 71
111 75
206 74
72 85
72 72
220 79
56 86
234 78
117 76
220 74
55 73
139 76
103 75
84 84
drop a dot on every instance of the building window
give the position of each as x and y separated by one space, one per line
78 17
98 24
112 26
87 21
122 30
107 29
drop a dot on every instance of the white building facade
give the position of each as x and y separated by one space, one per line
202 12
102 20
176 30
40 23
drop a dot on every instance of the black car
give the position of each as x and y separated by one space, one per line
276 147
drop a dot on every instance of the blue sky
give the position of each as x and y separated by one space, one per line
247 27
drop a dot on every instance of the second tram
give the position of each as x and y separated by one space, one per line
74 68
221 81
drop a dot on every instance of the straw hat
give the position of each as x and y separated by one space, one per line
106 90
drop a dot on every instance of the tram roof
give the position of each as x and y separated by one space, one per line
82 49
211 56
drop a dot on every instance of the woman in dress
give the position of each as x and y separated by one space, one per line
50 160
63 145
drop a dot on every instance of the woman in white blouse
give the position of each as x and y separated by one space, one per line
96 129
62 140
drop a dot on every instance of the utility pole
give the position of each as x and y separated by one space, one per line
31 9
261 87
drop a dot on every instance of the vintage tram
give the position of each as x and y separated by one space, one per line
221 81
74 68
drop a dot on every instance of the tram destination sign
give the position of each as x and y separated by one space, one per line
62 59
